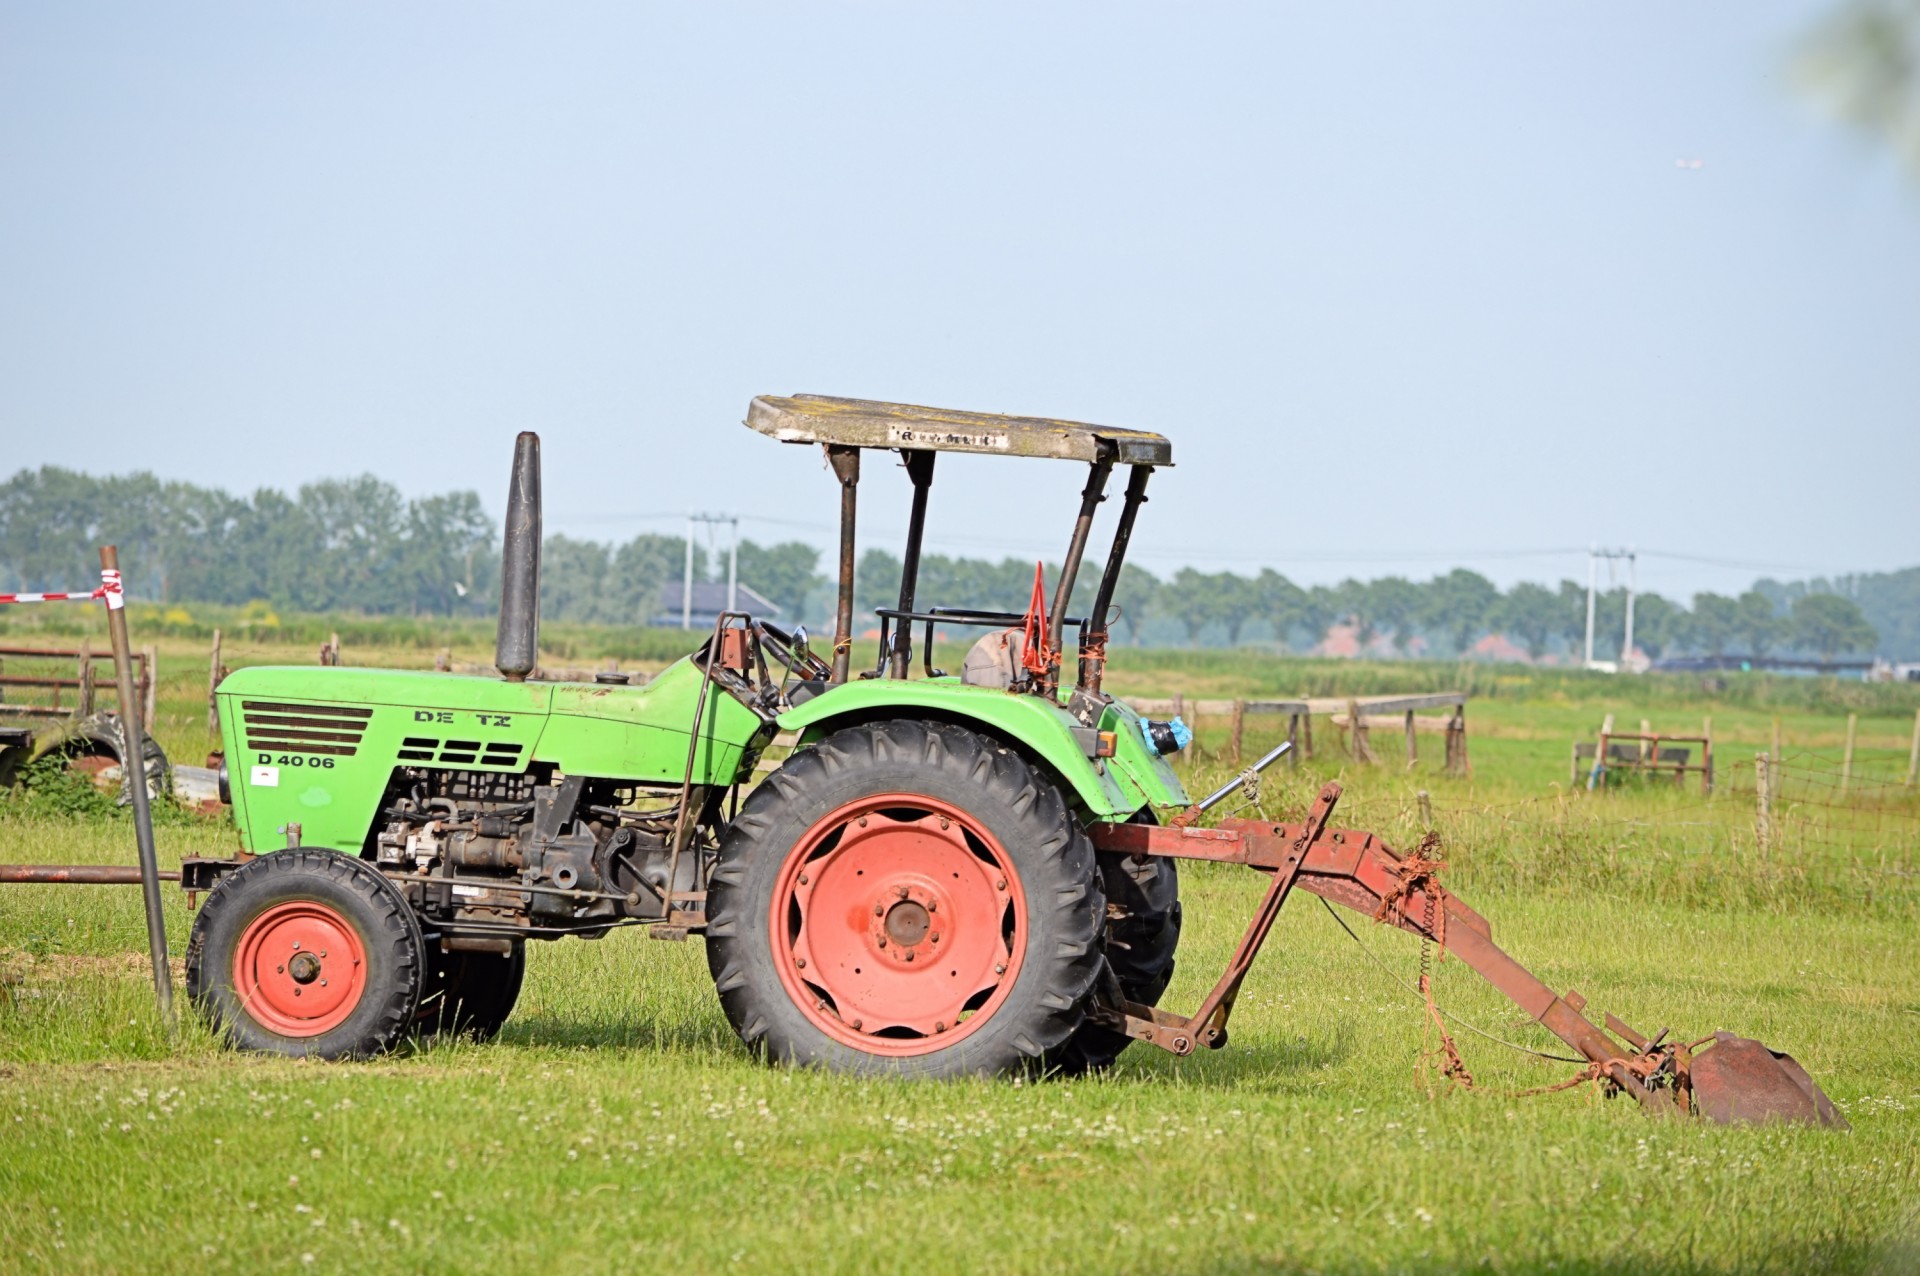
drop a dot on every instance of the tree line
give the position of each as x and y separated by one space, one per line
358 544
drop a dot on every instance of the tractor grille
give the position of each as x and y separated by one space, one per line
491 753
304 728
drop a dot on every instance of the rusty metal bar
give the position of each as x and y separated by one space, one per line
1090 497
846 467
1093 667
60 653
920 474
1359 871
77 874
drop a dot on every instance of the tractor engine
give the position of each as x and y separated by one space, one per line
485 851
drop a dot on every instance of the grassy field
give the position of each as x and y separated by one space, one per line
617 1122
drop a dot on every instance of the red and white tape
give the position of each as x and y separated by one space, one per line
109 590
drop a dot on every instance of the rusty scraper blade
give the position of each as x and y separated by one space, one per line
1738 1079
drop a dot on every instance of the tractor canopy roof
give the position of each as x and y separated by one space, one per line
864 423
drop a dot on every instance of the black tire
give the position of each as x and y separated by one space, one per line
351 893
102 736
470 994
1058 882
1140 948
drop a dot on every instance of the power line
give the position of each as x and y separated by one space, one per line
1162 553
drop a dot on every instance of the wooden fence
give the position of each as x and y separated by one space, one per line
1355 718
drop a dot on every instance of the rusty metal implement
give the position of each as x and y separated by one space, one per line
1730 1078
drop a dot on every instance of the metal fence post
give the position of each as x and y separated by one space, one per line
1846 759
134 764
1913 753
213 685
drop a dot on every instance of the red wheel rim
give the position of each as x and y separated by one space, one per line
898 924
299 969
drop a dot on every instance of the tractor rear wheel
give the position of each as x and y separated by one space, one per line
470 994
1140 945
307 952
905 898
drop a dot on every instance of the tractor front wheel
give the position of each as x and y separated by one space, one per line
905 898
306 952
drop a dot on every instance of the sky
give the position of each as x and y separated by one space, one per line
1409 286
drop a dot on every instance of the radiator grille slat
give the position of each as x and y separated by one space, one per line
330 730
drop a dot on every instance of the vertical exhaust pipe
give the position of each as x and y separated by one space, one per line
518 649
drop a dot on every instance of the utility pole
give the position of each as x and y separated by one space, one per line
686 586
733 564
1594 555
1626 647
1593 579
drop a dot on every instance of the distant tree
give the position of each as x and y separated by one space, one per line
573 581
1236 601
1756 622
1321 613
1530 615
1658 624
1355 601
1715 623
1282 602
876 581
1135 596
785 574
1570 614
1395 603
1863 64
1459 605
434 561
643 569
1829 624
1193 597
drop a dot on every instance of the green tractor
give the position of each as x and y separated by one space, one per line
950 874
913 890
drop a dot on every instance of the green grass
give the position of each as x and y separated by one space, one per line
617 1122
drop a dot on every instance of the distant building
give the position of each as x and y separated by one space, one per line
709 600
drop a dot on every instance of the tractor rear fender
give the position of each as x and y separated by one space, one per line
1045 734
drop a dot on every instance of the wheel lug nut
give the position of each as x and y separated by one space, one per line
883 941
855 1025
1000 885
901 891
279 970
296 945
879 911
803 879
936 939
909 956
999 967
800 963
863 821
933 906
939 1027
944 822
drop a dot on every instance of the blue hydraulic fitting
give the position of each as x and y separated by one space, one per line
1165 737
